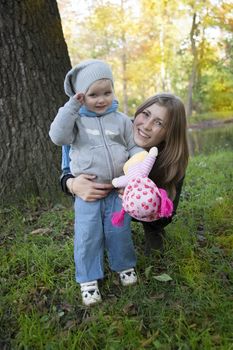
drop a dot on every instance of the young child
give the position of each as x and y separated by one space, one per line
101 140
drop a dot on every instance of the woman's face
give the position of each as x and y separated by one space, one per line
149 126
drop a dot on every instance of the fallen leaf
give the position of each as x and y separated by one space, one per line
70 324
157 296
130 309
66 307
148 341
41 231
163 278
148 271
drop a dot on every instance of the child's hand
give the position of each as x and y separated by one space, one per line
80 97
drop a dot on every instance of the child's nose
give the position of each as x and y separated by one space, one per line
101 99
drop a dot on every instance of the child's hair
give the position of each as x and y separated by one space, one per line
173 155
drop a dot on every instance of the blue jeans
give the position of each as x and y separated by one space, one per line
94 233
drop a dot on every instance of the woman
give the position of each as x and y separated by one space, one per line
160 121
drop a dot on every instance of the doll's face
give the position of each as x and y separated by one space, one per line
150 126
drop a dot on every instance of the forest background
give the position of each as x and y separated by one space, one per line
184 296
182 46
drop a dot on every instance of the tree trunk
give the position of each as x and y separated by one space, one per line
124 78
192 79
33 63
124 63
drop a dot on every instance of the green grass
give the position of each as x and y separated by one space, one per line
40 305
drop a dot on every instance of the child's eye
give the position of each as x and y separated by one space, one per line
108 93
92 95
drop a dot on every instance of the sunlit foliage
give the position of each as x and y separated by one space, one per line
151 47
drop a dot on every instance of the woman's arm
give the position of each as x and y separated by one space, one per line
84 187
65 166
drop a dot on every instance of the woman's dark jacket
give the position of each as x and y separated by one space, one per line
154 226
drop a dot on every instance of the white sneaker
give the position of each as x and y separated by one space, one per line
90 293
128 277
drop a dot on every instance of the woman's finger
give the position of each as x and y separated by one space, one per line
102 187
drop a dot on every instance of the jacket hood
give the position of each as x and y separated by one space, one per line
80 77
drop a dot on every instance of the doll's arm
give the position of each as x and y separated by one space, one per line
147 164
120 181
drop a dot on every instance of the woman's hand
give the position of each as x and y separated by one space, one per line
84 187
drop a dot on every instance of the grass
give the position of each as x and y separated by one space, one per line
40 305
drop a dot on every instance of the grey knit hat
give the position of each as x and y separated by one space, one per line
79 78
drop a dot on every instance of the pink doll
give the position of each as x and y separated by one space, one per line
142 199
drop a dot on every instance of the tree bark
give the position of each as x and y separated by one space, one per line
33 63
192 78
124 80
124 63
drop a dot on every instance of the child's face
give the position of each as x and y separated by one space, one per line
99 96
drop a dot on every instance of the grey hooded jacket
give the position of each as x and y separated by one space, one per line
99 145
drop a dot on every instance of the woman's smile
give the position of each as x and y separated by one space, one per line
142 133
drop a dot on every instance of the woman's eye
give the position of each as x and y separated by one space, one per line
145 114
158 123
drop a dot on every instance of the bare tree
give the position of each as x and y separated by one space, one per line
33 62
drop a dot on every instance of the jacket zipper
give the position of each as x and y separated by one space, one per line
107 148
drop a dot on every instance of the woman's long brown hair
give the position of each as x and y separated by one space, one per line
172 160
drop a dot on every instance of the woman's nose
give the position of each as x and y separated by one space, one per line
148 124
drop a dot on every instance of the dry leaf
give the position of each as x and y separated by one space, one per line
41 231
163 278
